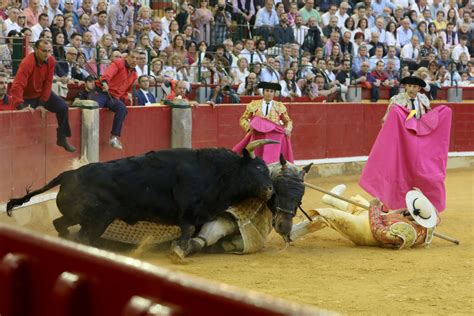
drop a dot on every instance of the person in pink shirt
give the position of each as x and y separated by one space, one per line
32 13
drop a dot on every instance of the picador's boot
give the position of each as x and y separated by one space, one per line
62 142
339 190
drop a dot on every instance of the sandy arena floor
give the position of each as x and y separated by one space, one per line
326 270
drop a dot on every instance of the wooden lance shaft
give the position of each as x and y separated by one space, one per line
309 185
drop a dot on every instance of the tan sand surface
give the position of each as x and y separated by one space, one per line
328 271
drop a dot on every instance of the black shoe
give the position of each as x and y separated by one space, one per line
62 142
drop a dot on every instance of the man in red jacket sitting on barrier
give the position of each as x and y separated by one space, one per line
116 82
32 89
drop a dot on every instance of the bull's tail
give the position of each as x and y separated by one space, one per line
20 201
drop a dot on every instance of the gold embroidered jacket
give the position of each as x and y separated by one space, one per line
277 114
403 99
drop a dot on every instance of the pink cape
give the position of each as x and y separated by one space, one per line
408 154
266 129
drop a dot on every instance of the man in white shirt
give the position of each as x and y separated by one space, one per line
299 30
404 33
342 14
250 54
391 55
43 23
11 22
100 28
266 19
269 72
141 68
379 27
376 58
157 31
53 9
410 53
460 48
326 17
166 20
419 6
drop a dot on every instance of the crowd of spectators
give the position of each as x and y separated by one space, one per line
312 47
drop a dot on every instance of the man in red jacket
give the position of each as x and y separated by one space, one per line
32 88
116 83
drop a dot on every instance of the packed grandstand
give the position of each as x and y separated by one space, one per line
313 48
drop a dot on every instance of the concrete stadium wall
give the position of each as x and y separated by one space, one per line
322 131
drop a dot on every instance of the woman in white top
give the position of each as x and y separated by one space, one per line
289 88
359 39
363 26
391 34
241 72
349 25
207 72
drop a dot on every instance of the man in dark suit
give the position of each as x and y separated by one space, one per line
144 97
68 70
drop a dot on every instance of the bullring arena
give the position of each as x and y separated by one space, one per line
322 269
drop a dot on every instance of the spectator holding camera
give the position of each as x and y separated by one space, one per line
222 21
308 86
249 87
322 88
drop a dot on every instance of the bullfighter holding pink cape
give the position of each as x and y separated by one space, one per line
267 119
411 150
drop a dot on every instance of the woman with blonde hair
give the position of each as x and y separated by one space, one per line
106 43
438 43
241 72
431 87
144 15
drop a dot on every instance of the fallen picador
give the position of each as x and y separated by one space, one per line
184 187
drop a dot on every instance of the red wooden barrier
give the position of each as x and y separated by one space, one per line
145 129
41 275
28 150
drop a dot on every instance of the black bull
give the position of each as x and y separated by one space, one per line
183 187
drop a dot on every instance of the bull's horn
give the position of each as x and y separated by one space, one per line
257 143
